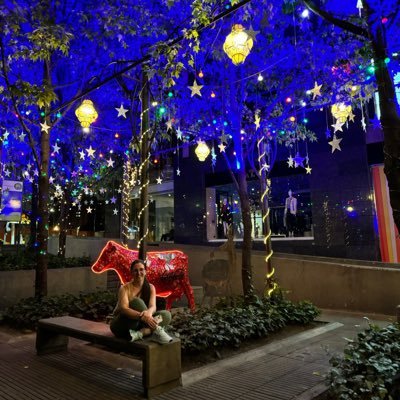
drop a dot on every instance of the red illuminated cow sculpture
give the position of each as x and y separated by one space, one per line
166 270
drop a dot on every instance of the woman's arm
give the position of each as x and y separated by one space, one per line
147 316
123 305
152 302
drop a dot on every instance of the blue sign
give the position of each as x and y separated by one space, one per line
11 201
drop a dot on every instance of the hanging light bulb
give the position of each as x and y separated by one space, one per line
341 111
238 44
202 150
86 113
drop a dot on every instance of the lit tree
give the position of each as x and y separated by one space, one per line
377 26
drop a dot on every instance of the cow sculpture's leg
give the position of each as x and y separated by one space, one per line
188 290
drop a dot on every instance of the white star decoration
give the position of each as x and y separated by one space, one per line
56 148
179 133
121 111
45 127
178 172
110 163
90 151
308 169
89 210
169 124
363 124
290 162
257 121
335 143
316 90
159 180
337 126
222 147
115 211
22 136
195 89
82 155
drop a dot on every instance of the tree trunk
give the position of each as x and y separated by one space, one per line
144 168
43 218
247 274
64 218
236 97
126 200
266 228
43 206
390 119
33 217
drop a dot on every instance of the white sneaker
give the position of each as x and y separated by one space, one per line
135 335
160 336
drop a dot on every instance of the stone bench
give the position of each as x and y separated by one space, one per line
161 364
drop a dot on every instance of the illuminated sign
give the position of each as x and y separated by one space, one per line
11 201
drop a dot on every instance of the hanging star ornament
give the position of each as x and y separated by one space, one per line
90 151
179 134
298 161
363 124
223 138
178 172
159 180
308 169
89 210
169 124
359 6
195 89
316 90
110 162
337 126
222 147
290 162
257 121
56 148
335 143
115 211
121 111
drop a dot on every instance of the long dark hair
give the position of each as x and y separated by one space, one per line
145 293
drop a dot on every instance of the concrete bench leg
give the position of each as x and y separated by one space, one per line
50 342
162 368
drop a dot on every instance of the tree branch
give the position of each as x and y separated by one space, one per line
15 106
347 26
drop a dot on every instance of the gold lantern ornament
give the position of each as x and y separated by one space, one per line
202 150
86 113
341 111
238 44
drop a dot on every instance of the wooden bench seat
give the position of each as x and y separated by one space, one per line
161 364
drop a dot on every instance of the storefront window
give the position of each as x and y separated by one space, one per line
290 209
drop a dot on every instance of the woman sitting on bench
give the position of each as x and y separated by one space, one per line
135 315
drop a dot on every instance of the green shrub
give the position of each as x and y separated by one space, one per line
223 325
26 260
226 325
26 313
369 364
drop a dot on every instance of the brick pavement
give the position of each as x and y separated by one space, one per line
290 369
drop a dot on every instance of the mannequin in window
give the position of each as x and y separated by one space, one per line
289 218
226 215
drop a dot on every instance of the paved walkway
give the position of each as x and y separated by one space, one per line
289 369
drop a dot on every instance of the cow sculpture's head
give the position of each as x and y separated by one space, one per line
115 257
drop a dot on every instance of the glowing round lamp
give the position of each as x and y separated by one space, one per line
341 111
202 151
86 113
238 44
